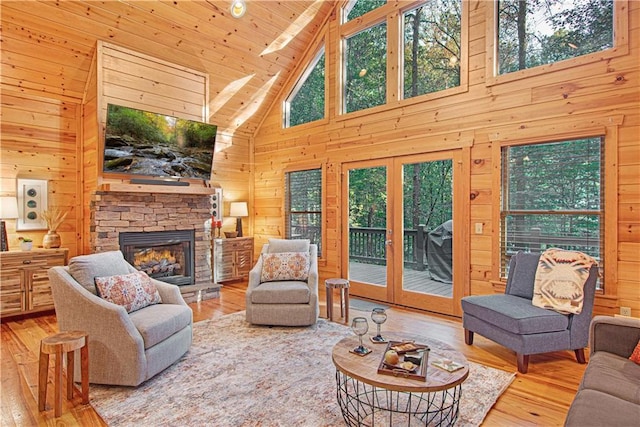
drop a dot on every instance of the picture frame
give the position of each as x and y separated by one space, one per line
32 200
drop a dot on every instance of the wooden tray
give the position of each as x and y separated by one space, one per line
420 374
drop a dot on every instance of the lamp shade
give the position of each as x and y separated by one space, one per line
8 207
238 209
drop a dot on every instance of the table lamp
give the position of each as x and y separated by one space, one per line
239 210
8 210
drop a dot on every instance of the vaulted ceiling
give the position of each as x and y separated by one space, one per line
48 46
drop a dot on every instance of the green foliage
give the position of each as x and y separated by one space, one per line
308 103
366 69
199 135
357 8
368 197
140 125
428 194
432 49
537 32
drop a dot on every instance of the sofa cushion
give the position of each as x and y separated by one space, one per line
288 245
85 268
288 292
133 291
522 278
285 266
514 314
160 321
614 375
594 408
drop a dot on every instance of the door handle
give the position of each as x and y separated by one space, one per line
388 242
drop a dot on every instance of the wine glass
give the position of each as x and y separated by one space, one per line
378 316
360 326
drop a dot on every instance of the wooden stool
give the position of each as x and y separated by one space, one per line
64 342
343 285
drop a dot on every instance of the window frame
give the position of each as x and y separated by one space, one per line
606 128
323 200
620 48
393 13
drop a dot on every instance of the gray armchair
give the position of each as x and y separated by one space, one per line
124 348
511 320
284 303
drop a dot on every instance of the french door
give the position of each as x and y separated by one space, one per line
398 243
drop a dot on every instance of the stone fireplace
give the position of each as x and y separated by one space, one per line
117 216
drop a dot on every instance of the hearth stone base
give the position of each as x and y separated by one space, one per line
200 292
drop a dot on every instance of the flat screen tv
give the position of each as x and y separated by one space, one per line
156 145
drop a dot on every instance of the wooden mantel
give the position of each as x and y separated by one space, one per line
146 188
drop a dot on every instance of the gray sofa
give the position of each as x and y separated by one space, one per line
124 348
609 394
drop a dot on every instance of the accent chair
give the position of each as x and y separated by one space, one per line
284 298
510 319
125 348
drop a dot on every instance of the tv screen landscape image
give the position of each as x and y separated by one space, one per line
156 145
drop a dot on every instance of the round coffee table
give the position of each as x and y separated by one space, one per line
367 398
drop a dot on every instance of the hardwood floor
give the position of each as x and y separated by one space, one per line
539 398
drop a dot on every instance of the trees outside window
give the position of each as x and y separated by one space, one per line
303 210
432 47
552 196
356 8
365 83
538 32
306 103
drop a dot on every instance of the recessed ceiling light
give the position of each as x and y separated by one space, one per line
238 8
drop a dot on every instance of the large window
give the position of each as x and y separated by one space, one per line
366 69
432 47
303 210
552 196
307 100
533 33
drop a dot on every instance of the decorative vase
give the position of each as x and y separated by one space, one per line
51 240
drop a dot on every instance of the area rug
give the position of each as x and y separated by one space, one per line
236 374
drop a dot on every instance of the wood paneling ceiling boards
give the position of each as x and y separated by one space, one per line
47 46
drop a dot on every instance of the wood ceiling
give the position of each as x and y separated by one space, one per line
48 46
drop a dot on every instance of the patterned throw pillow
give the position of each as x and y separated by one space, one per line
635 356
132 291
560 279
285 266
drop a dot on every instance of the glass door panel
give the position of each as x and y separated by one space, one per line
366 229
428 227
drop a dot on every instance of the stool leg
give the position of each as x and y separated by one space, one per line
346 305
341 302
71 361
58 382
84 370
330 303
43 375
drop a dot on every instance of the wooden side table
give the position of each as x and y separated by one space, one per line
58 344
343 285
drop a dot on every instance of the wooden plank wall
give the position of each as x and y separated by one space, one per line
600 97
39 140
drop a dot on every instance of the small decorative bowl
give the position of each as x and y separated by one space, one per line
230 234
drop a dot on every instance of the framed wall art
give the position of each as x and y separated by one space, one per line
32 200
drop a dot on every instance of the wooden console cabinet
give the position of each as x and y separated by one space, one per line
24 283
232 259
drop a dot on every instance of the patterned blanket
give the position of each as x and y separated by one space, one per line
560 279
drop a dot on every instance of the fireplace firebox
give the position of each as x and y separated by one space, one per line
164 255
